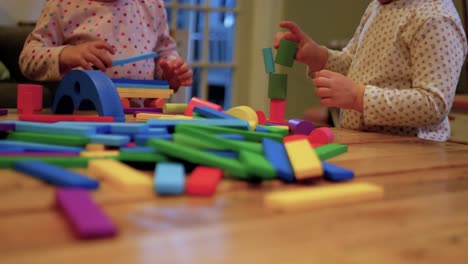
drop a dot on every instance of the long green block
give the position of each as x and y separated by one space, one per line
268 60
273 129
286 53
65 162
141 157
249 135
189 140
277 85
329 151
178 109
232 166
257 165
209 140
55 139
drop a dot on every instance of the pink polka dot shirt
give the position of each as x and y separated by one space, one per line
409 53
132 27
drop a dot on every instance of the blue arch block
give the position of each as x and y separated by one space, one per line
86 90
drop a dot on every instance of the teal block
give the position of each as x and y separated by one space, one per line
268 60
286 53
277 86
169 178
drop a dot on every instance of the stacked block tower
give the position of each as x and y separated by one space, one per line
278 82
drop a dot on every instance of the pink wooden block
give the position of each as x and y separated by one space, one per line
200 102
261 117
277 109
321 136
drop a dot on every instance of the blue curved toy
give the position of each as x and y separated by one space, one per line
88 90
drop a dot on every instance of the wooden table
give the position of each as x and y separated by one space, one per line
422 219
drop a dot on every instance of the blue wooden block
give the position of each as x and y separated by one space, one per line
233 123
88 90
336 173
211 113
139 150
141 86
129 128
262 129
141 139
29 146
232 137
120 62
157 131
69 129
145 82
11 150
169 178
224 154
55 175
276 154
110 140
101 128
268 60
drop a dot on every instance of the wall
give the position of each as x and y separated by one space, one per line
12 11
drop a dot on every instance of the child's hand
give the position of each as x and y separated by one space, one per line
309 52
336 90
86 55
177 73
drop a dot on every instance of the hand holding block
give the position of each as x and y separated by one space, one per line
321 197
87 219
286 53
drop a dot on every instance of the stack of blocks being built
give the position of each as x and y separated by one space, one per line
189 148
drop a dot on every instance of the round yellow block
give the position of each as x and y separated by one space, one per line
245 113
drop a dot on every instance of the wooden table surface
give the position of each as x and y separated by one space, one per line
423 217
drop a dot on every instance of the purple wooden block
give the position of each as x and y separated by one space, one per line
300 127
7 127
3 111
142 110
86 217
38 154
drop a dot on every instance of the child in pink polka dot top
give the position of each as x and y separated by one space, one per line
399 72
85 33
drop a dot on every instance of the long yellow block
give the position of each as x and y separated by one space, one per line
120 175
324 196
99 154
304 161
146 116
144 93
95 147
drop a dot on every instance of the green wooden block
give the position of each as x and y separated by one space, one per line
54 139
65 162
329 151
286 53
188 140
140 157
277 85
209 141
177 109
234 167
280 131
268 60
249 135
257 165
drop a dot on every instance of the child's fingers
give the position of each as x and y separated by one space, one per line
327 102
101 44
293 27
322 82
185 76
285 35
182 69
324 92
104 58
165 67
93 60
84 64
325 73
187 82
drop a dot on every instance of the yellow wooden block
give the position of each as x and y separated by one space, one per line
144 93
95 147
120 175
171 108
99 154
282 127
245 113
324 196
304 161
146 116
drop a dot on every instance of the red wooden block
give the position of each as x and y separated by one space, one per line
277 110
125 102
200 102
155 103
261 117
58 118
321 136
294 138
29 98
203 181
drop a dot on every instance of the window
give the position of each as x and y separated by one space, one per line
205 32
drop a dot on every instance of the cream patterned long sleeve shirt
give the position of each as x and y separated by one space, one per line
409 54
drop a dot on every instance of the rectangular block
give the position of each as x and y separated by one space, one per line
29 146
100 154
69 129
110 140
277 110
323 196
55 175
329 151
175 109
232 123
203 181
276 153
211 113
65 162
277 85
95 147
144 93
200 102
29 98
268 60
169 178
336 173
146 82
141 86
47 138
120 175
147 116
85 216
145 56
304 161
17 153
141 140
286 53
42 118
257 166
133 110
